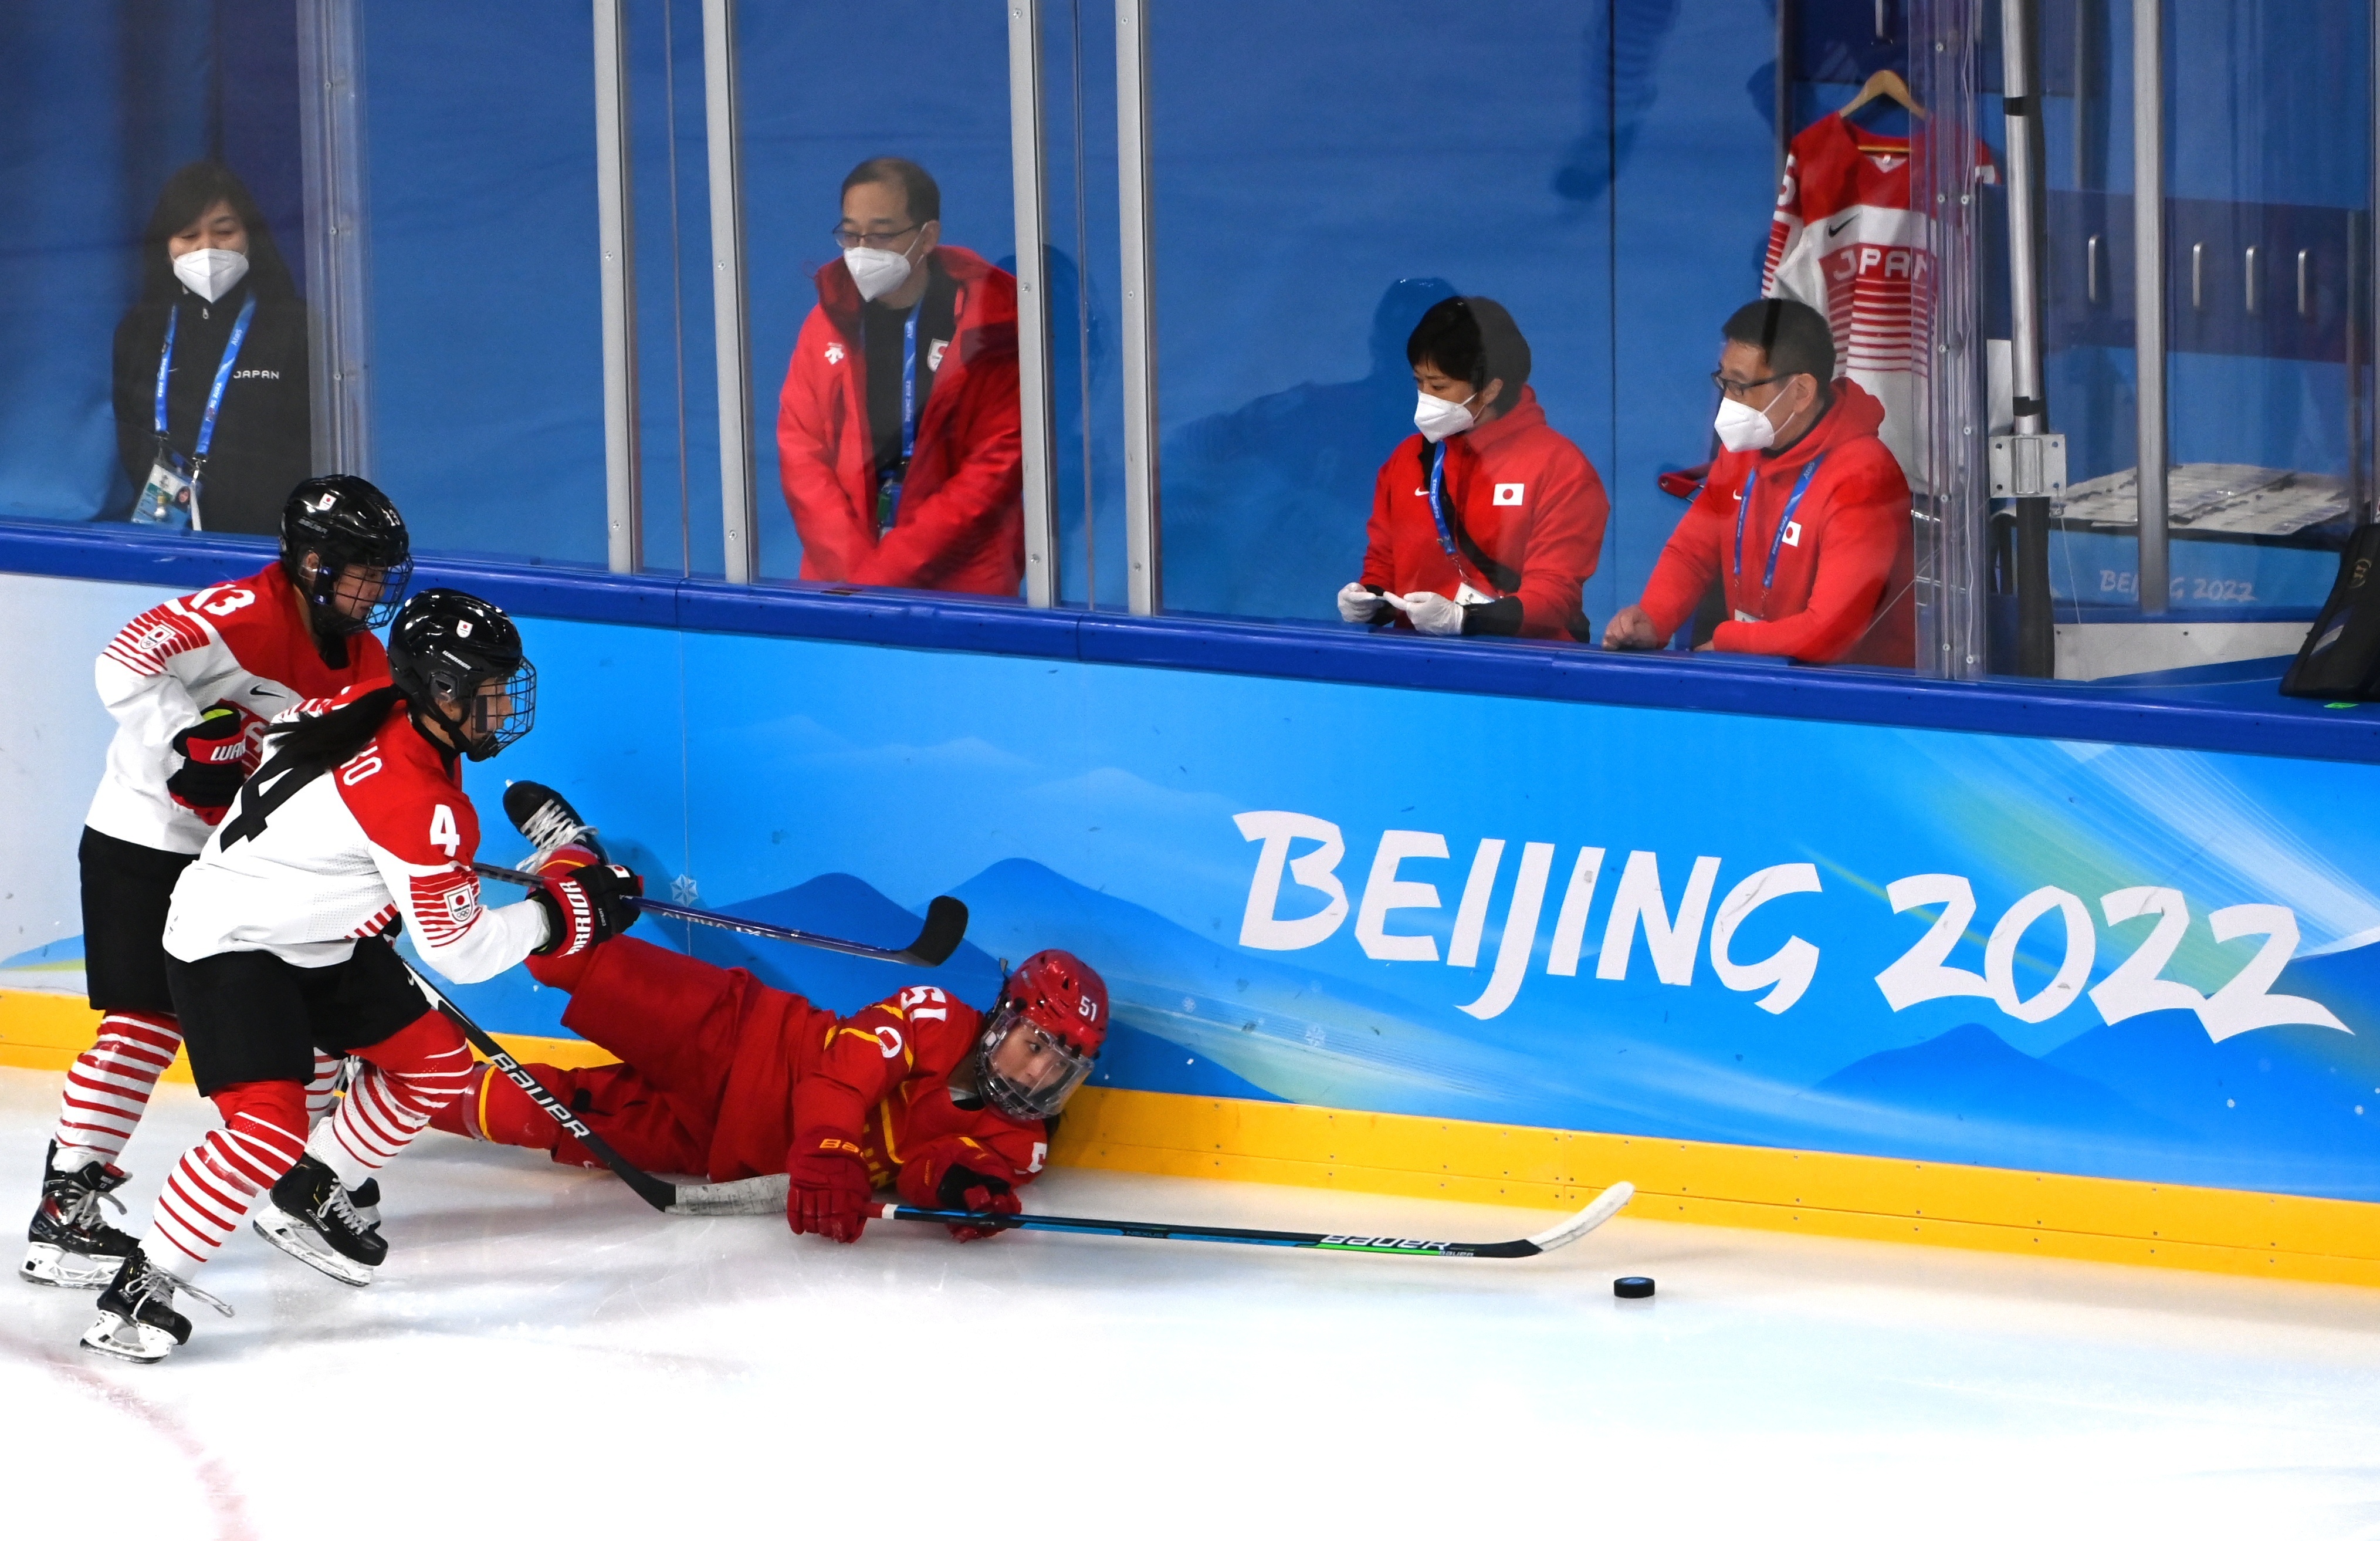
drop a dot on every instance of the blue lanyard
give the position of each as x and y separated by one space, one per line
1438 504
910 385
1776 541
223 375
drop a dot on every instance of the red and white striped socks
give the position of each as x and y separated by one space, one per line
109 1085
219 1178
404 1082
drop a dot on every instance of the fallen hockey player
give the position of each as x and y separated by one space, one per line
726 1076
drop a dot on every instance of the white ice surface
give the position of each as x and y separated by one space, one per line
543 1357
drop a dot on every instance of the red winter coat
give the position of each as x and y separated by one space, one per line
1843 579
962 522
781 1078
1529 499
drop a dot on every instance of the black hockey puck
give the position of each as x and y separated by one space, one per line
1635 1287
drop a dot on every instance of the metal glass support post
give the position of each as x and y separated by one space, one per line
1030 169
614 208
330 122
1787 17
739 520
2028 465
1142 545
2148 293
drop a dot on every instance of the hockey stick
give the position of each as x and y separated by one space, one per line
945 927
765 1195
651 1189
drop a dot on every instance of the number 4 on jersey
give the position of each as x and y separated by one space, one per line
442 831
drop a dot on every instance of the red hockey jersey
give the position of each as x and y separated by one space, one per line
795 1078
244 642
1845 241
388 833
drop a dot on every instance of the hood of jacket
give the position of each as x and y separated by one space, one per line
1854 415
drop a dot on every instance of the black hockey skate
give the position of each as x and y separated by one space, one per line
70 1244
548 821
136 1319
365 1196
312 1218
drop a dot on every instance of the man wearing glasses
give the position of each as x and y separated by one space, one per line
897 432
1804 518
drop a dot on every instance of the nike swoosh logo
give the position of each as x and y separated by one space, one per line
1837 228
263 690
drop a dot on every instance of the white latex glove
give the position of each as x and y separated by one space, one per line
1432 614
1357 602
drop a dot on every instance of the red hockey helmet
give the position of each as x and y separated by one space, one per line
1039 1041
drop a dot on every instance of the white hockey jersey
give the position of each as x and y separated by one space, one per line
246 643
306 875
1845 241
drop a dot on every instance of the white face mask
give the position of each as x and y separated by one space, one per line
1440 419
1742 426
210 272
878 273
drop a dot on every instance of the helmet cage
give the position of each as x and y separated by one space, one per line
477 686
335 559
1041 1096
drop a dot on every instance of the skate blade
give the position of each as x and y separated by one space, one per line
134 1342
61 1269
297 1238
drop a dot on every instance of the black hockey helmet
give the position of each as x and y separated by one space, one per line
452 650
347 523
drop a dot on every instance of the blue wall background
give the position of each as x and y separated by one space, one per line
1321 171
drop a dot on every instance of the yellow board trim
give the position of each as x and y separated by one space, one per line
1815 1192
45 1032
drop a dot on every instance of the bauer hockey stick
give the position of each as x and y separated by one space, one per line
766 1195
945 927
651 1189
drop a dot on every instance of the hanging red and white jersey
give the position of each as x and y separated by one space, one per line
306 875
246 643
1845 242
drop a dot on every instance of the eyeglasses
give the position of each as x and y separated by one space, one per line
1734 390
881 240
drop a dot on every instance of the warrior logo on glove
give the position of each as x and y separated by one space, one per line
1039 1041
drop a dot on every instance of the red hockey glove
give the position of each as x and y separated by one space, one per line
830 1194
213 751
962 1189
584 905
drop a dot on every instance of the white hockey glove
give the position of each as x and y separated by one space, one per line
1358 604
1431 613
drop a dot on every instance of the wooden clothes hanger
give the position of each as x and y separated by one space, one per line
1885 85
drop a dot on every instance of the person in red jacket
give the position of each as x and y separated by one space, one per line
726 1076
897 430
1486 522
1805 517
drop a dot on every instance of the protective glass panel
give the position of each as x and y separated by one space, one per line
883 316
474 384
138 135
2262 112
1438 327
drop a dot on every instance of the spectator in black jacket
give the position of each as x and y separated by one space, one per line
206 253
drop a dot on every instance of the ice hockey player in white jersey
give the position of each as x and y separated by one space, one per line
278 946
191 684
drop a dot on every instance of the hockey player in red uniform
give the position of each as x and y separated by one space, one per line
191 684
277 946
725 1076
1486 522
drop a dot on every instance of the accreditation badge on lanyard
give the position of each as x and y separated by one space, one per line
888 490
1463 592
170 497
1778 542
